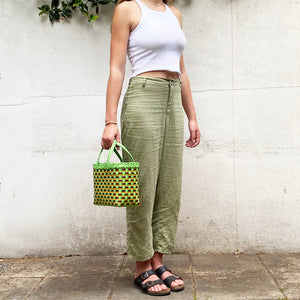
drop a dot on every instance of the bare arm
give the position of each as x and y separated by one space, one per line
186 93
118 49
186 96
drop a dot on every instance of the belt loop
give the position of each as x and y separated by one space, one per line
144 83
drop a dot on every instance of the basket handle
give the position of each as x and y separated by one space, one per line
113 148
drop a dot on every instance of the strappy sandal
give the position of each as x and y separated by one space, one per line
168 280
145 287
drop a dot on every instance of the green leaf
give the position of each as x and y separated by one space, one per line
46 7
64 9
92 17
85 13
77 3
67 13
54 3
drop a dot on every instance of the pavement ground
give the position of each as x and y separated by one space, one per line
265 276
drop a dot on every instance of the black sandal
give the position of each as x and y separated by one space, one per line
168 280
145 286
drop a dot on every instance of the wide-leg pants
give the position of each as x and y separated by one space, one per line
152 129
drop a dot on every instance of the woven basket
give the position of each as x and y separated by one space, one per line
116 184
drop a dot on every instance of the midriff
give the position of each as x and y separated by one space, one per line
161 73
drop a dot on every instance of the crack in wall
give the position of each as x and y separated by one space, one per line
193 91
247 89
233 133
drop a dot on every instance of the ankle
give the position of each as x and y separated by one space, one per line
156 265
142 266
156 260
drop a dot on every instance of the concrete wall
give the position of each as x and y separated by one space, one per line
241 186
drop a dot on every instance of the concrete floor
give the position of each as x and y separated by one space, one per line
206 276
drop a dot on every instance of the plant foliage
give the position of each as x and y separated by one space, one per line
56 10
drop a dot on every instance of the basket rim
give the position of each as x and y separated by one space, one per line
119 165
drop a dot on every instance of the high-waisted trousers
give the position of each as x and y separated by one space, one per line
152 129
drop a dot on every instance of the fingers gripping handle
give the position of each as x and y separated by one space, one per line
123 147
113 148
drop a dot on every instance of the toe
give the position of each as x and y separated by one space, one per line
175 283
179 281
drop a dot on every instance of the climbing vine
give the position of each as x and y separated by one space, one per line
64 9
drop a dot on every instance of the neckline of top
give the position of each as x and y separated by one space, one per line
155 11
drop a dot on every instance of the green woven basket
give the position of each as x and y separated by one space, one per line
116 184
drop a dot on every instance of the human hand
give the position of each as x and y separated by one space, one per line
110 133
195 134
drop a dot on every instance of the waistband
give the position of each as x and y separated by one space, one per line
155 80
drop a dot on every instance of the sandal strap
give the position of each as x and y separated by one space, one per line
161 270
168 281
150 283
144 276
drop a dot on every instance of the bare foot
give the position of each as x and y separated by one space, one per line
165 274
157 287
156 262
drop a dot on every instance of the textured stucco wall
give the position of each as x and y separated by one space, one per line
241 185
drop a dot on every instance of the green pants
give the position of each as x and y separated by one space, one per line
152 129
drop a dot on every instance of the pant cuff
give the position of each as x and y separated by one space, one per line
163 250
140 257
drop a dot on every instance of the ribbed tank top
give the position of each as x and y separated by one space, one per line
157 42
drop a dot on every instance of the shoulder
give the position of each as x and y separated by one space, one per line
126 7
177 13
125 12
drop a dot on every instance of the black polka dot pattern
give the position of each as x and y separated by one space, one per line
116 186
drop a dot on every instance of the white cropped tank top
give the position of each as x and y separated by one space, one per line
157 42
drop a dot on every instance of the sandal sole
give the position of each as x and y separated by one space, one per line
173 289
158 293
177 289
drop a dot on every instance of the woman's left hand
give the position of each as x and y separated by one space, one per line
195 134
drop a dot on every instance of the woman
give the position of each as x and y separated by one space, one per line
152 128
